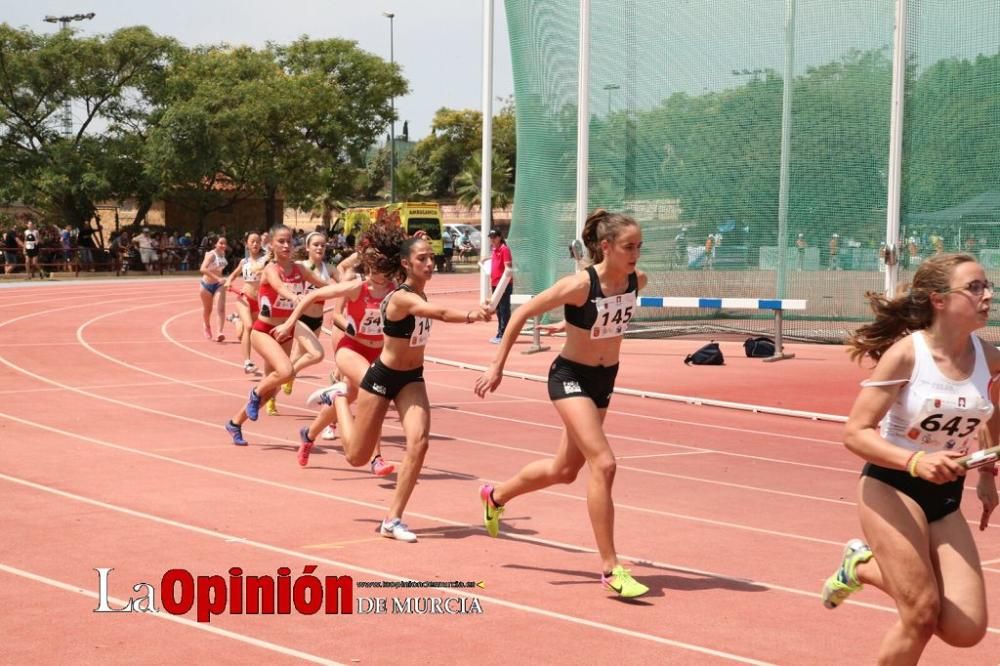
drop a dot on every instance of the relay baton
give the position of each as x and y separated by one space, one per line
980 458
500 289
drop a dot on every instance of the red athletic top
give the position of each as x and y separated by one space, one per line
364 317
272 304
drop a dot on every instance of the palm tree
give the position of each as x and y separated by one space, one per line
468 184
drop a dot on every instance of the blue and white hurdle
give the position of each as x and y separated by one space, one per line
777 305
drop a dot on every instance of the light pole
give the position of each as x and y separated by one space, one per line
392 121
67 111
609 87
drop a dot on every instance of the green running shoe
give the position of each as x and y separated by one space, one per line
491 512
844 581
621 581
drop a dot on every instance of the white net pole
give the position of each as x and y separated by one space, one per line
894 180
583 118
486 189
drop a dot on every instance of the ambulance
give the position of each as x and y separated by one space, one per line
412 216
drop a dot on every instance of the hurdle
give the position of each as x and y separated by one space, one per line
777 305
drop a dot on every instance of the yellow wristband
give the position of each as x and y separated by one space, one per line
911 466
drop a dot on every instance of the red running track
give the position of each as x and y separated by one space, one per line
113 455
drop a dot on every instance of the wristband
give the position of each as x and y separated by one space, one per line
989 470
911 464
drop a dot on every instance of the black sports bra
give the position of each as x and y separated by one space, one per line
402 328
585 316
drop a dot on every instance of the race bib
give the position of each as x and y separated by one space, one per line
613 315
371 324
949 423
421 332
283 303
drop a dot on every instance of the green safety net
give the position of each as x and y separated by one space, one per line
686 101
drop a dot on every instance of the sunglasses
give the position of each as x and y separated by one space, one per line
976 288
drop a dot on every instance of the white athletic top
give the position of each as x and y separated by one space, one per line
934 413
252 268
321 271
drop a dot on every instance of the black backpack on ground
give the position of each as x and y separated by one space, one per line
710 354
759 347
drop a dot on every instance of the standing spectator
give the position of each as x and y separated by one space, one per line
66 240
85 241
500 260
800 251
680 248
834 246
147 249
970 246
30 245
184 245
913 251
448 245
9 250
709 252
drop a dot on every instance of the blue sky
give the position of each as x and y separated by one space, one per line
437 42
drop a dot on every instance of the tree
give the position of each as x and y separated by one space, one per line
110 78
468 184
229 133
345 94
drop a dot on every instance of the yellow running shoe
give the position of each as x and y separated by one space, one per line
287 386
621 581
491 512
844 581
272 407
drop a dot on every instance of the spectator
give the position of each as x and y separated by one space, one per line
85 241
800 251
184 245
30 244
147 249
500 261
66 241
448 245
10 246
834 246
709 252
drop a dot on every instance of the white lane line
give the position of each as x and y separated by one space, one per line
313 558
201 626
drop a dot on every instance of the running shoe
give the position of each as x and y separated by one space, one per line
220 337
287 386
491 511
305 446
621 581
272 407
325 396
233 318
381 467
253 405
396 529
844 581
329 432
237 434
495 340
249 367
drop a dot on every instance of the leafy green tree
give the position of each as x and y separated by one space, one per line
111 81
468 184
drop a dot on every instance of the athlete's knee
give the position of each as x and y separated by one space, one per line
604 466
963 630
284 371
922 613
417 447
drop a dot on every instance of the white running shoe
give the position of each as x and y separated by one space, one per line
396 529
325 396
249 367
329 432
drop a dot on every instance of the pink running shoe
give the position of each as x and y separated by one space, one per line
305 446
381 467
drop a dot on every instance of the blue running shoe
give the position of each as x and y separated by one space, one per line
237 434
253 405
